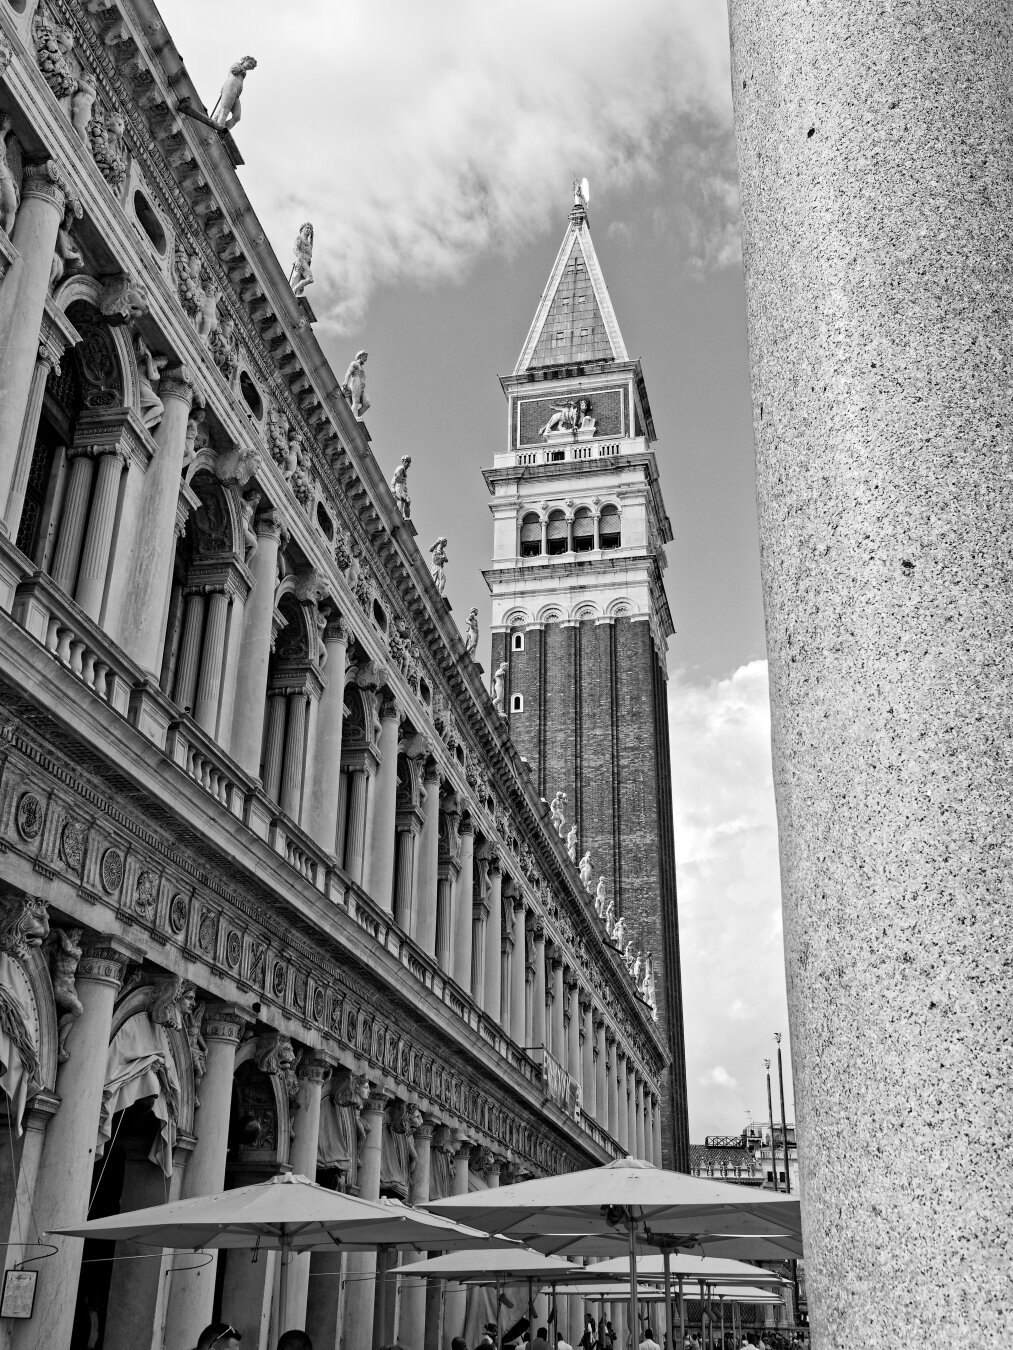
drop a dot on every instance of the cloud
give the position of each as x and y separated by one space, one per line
718 1077
418 136
729 895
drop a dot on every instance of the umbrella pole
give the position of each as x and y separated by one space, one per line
682 1316
499 1298
721 1305
634 1297
381 1263
668 1299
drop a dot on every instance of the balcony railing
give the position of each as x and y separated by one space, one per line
566 453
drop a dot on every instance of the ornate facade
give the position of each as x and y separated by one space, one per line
276 888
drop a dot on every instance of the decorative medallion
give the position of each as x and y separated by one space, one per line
405 1062
206 931
279 979
350 1027
177 913
111 870
258 960
299 990
319 1002
29 816
72 844
233 949
145 892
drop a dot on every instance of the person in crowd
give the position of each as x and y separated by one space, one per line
458 1343
608 1335
219 1336
294 1340
560 1343
649 1343
541 1341
589 1340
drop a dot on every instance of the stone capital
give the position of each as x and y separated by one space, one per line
105 958
316 1066
389 707
177 383
225 1022
268 525
376 1103
47 182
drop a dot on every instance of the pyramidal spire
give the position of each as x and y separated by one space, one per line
574 321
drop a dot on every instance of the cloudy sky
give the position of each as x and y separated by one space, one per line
433 146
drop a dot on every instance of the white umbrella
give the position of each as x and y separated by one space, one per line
628 1200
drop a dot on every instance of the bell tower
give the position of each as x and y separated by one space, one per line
580 616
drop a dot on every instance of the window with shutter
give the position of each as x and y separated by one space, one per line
583 531
556 533
531 536
608 527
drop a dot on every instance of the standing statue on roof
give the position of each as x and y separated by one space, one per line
571 843
399 487
499 688
556 807
354 385
227 111
619 933
599 898
471 636
609 915
301 274
439 552
585 872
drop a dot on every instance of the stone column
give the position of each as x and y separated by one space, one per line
209 685
506 979
601 1073
518 974
192 1292
322 812
623 1117
44 197
49 357
412 1321
185 690
612 1088
314 1070
445 887
455 1299
68 1156
361 1266
274 745
641 1142
381 862
247 737
492 956
94 569
656 1130
143 611
588 1082
573 1029
355 830
875 212
557 1035
538 996
424 916
404 875
295 755
631 1109
72 522
464 920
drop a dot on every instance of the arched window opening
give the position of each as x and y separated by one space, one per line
517 642
608 527
289 691
531 536
516 702
583 530
556 533
149 222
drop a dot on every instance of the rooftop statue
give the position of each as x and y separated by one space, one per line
571 843
599 898
619 932
499 688
399 487
354 385
586 871
471 636
609 915
301 274
556 807
439 552
227 111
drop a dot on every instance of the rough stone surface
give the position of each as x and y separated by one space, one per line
874 149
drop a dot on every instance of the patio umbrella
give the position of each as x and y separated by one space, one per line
629 1200
291 1214
686 1266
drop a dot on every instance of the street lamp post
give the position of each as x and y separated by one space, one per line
770 1117
784 1123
